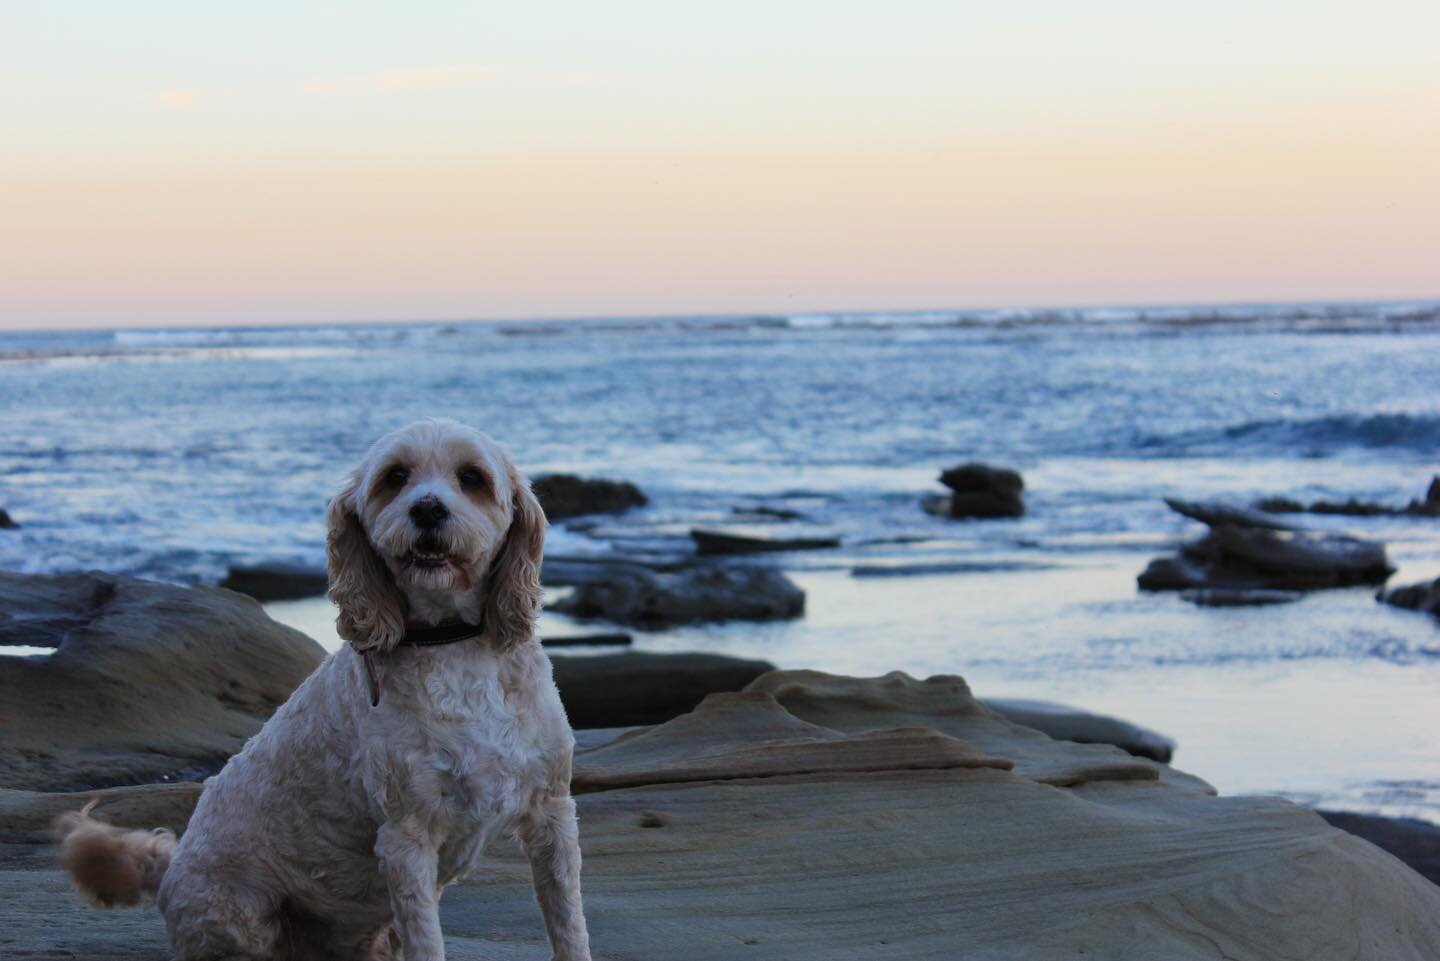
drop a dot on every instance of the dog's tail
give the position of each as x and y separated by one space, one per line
111 866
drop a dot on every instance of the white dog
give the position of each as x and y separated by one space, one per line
437 728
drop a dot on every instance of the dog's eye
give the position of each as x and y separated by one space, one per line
396 476
470 478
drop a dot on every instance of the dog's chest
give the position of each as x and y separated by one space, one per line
477 752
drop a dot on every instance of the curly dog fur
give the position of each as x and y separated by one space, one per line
335 830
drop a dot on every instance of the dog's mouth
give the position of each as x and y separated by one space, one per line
429 560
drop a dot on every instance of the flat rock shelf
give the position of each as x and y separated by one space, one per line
818 816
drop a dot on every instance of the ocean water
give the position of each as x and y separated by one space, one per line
175 453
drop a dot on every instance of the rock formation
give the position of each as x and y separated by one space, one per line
739 542
1424 596
650 599
634 688
276 581
978 490
147 680
1429 507
566 495
881 820
1247 550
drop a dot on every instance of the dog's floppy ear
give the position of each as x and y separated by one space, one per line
512 601
372 613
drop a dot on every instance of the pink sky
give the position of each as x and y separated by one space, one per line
724 174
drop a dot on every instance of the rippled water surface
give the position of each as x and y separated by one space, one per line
173 454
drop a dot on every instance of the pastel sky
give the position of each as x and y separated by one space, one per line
197 163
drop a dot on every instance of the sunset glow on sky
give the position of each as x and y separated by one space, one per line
185 164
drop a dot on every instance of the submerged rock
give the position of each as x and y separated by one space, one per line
147 680
7 523
736 542
1352 507
562 571
1222 597
1429 507
276 581
768 513
624 690
978 490
568 495
1246 550
650 599
1424 596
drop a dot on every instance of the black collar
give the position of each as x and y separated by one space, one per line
448 632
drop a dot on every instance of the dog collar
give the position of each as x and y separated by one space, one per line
448 632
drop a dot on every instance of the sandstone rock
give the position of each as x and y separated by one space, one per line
979 490
945 703
735 542
276 582
147 680
624 690
743 735
855 862
1064 723
654 600
1424 596
567 495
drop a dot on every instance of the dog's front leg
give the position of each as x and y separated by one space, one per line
552 842
408 861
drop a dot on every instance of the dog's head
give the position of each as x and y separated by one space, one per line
434 507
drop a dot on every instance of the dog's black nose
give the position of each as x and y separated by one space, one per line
428 513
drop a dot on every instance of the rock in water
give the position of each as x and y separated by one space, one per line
1424 596
650 599
1430 506
566 495
1221 597
1248 550
147 680
1217 514
7 523
735 542
276 582
623 690
979 490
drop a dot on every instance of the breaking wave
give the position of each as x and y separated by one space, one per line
1310 436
